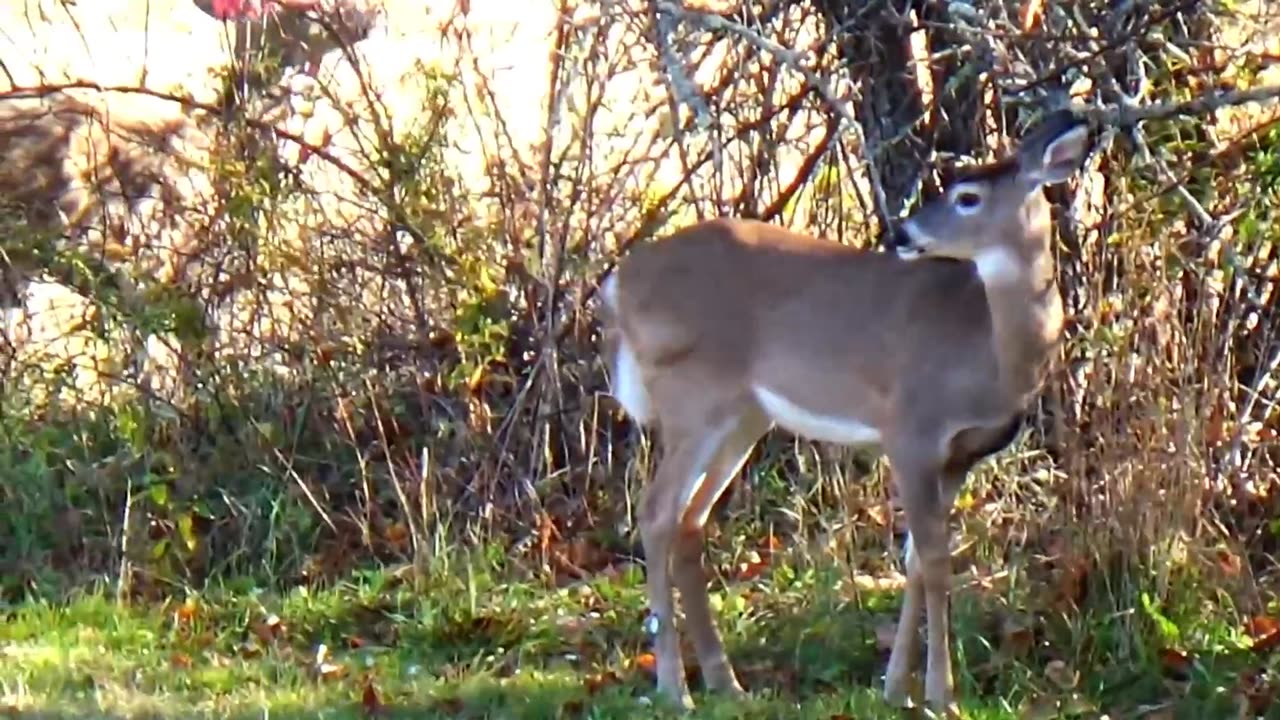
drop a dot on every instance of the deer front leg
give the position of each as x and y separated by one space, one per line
926 503
902 659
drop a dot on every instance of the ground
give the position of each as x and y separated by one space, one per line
809 641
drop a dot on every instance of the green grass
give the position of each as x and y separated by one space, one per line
465 645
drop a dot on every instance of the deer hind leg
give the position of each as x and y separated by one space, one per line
687 553
902 658
687 456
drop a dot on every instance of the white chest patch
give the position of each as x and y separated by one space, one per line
826 428
998 266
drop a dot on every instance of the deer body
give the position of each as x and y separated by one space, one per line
729 328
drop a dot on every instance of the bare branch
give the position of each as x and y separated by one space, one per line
795 61
1123 116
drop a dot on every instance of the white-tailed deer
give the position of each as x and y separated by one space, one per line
932 353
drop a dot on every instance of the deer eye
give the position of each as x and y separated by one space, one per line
967 200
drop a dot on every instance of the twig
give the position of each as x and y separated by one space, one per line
683 90
795 61
1122 116
20 92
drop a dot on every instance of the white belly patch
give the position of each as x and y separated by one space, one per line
825 428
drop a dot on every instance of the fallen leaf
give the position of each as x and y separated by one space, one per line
1017 636
397 535
597 682
647 662
269 629
327 670
1254 694
180 660
186 612
752 568
1042 708
1264 632
1060 674
1229 562
1175 663
369 699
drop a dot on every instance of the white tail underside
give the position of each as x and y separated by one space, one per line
626 382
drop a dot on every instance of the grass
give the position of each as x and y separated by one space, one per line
808 642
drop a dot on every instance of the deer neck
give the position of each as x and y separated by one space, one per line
1026 312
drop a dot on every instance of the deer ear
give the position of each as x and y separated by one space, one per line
1062 156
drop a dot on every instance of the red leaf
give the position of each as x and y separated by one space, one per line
369 699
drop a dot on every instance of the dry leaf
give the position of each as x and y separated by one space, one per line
1175 663
397 535
1017 637
1229 562
596 683
647 662
752 568
1264 632
269 629
369 699
1060 674
186 612
180 660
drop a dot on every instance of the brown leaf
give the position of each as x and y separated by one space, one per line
1017 636
1229 562
752 568
1043 708
1254 694
180 660
1264 631
597 682
269 629
647 663
369 699
397 535
1175 663
186 612
770 545
1060 674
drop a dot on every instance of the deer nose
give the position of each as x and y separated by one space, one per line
898 238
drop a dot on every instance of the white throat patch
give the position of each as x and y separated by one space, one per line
998 266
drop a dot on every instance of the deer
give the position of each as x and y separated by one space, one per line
929 352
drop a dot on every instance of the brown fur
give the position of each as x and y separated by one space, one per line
936 357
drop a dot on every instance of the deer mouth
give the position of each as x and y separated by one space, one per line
909 242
